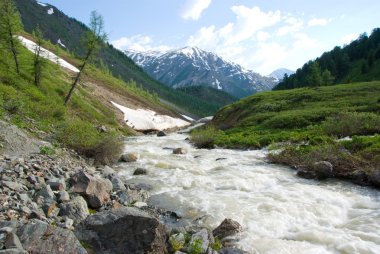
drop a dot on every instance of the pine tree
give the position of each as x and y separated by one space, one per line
10 26
38 60
93 38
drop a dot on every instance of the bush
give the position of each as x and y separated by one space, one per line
205 137
84 138
352 123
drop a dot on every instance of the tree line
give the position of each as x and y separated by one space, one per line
351 63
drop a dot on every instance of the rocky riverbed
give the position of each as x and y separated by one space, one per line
60 204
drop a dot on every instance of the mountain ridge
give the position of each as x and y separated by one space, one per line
192 66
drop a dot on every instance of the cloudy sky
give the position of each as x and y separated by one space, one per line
261 35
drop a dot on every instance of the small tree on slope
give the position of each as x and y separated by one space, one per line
10 26
93 39
38 60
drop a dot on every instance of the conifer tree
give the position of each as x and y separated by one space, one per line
10 26
38 60
93 38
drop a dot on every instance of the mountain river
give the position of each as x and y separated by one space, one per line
279 212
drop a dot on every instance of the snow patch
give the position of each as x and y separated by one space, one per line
218 84
30 45
59 42
188 118
42 4
50 11
144 119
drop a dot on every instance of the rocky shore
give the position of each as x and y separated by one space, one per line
60 204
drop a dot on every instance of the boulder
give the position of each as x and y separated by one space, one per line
140 171
323 169
306 174
76 209
41 238
130 196
374 179
47 193
96 190
227 228
117 184
179 151
124 230
63 196
161 134
129 157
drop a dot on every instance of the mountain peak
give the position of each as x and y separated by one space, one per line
192 66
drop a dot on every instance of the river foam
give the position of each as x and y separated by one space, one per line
280 213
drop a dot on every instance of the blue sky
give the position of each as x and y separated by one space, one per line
260 35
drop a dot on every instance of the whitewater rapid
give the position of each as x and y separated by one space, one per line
280 213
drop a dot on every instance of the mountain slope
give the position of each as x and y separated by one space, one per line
62 30
358 61
191 66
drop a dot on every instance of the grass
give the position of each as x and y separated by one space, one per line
305 124
41 108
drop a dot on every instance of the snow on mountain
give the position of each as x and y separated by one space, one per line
191 66
279 73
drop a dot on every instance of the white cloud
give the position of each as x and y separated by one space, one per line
318 22
292 25
138 42
194 9
348 38
259 40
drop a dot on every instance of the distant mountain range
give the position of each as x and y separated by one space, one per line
191 66
280 73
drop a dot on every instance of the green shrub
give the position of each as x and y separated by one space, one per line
196 247
84 138
205 137
352 123
47 150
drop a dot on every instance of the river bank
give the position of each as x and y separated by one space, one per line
55 202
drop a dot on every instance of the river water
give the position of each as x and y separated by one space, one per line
279 212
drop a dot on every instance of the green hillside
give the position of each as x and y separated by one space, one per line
357 62
304 124
70 31
215 98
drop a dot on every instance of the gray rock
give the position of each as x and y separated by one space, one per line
96 190
76 209
227 228
16 186
129 157
374 179
306 174
161 134
117 184
106 171
124 230
131 196
323 169
63 196
179 151
47 193
199 239
57 185
140 171
67 223
51 209
39 237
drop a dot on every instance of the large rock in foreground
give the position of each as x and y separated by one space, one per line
124 230
96 190
227 228
38 237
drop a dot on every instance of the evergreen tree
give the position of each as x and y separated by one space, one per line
10 26
93 38
327 78
38 60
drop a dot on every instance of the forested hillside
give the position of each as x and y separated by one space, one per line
57 27
358 61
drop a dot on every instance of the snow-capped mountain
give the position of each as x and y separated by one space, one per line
279 73
191 66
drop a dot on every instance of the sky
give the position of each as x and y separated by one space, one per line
260 35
